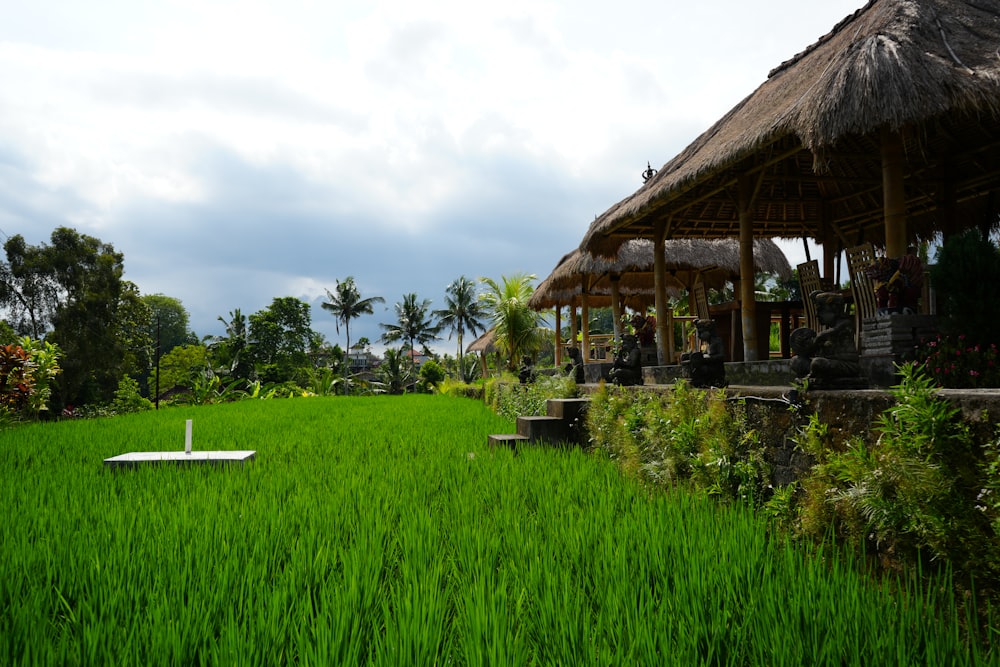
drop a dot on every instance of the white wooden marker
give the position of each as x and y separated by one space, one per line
187 437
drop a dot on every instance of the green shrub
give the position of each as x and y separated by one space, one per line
687 435
128 399
431 374
511 399
965 278
914 493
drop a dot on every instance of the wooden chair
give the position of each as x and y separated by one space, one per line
860 258
699 299
809 282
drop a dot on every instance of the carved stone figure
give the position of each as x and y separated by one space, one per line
706 367
828 358
526 373
575 366
627 367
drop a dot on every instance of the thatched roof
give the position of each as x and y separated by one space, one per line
483 344
807 141
712 261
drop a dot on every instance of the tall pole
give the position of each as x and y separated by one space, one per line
664 319
156 400
748 304
893 193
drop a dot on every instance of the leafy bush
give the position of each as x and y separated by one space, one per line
511 399
431 374
965 278
914 493
958 363
689 435
27 370
453 387
128 399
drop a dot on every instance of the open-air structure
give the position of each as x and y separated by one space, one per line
585 280
886 130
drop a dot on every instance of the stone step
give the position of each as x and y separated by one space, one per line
569 409
508 440
543 429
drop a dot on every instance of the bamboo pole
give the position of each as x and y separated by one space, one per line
893 193
616 307
558 352
748 304
664 319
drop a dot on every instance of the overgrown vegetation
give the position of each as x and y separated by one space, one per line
510 399
922 498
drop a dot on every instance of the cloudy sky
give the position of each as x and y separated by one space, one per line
235 152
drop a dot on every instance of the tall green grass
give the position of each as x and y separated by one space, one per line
381 531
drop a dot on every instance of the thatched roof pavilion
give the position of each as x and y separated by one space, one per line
908 87
627 280
884 130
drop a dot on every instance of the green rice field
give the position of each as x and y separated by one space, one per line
383 531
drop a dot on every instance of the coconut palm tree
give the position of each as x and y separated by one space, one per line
347 305
518 328
231 349
462 312
393 373
412 323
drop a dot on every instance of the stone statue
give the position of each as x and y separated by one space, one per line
706 367
829 358
627 367
575 366
526 373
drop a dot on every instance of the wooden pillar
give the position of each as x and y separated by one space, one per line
827 238
893 193
616 307
574 327
748 304
585 327
664 318
558 352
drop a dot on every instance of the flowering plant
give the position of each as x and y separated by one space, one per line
954 362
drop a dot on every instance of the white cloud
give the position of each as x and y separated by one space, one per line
238 151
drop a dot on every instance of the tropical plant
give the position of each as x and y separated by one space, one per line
412 325
26 373
394 373
346 304
518 328
230 351
462 312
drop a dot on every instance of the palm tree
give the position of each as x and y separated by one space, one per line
412 323
463 311
347 305
518 328
232 348
393 373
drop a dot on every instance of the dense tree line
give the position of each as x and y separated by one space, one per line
71 293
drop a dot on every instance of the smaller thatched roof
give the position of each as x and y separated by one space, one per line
711 261
483 344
